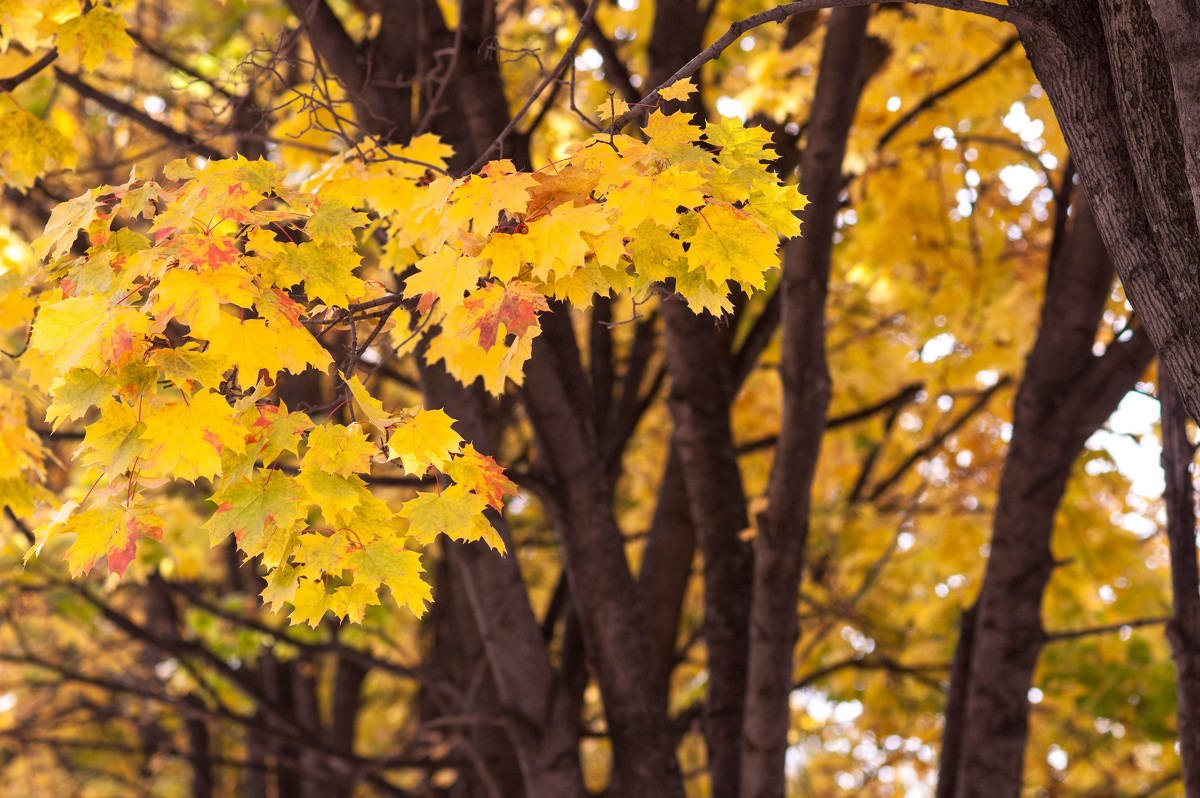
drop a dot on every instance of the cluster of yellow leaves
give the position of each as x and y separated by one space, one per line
176 324
689 208
84 36
176 336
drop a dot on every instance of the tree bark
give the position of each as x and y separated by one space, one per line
701 400
538 713
783 526
1065 395
1115 102
1183 630
666 569
557 397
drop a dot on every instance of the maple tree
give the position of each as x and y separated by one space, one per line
504 308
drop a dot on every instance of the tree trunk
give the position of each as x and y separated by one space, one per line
1184 628
558 399
783 526
701 399
1065 395
539 718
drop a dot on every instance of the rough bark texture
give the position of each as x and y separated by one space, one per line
1114 72
783 527
1130 185
666 569
536 710
1065 395
701 397
557 397
1183 630
700 400
956 707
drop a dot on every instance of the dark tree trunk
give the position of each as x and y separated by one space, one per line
1184 628
701 398
540 720
1114 74
557 396
1065 395
666 569
783 527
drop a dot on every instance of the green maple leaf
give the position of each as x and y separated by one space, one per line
278 431
183 365
78 391
255 510
114 440
334 221
339 450
455 513
326 270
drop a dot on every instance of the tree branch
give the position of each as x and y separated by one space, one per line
10 83
133 114
932 99
1075 634
1022 20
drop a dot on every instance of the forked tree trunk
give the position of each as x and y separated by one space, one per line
1064 396
1183 630
783 526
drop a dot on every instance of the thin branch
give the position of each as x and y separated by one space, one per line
1018 18
173 62
939 439
585 22
140 117
1075 634
10 83
932 99
896 401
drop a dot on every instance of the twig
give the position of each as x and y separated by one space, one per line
585 23
10 83
1020 19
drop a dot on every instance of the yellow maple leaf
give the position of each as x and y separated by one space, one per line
29 146
481 199
114 440
196 297
557 238
185 439
731 243
339 450
454 512
427 439
611 108
85 331
679 90
309 602
91 37
482 475
244 345
66 220
446 274
372 408
104 530
655 197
